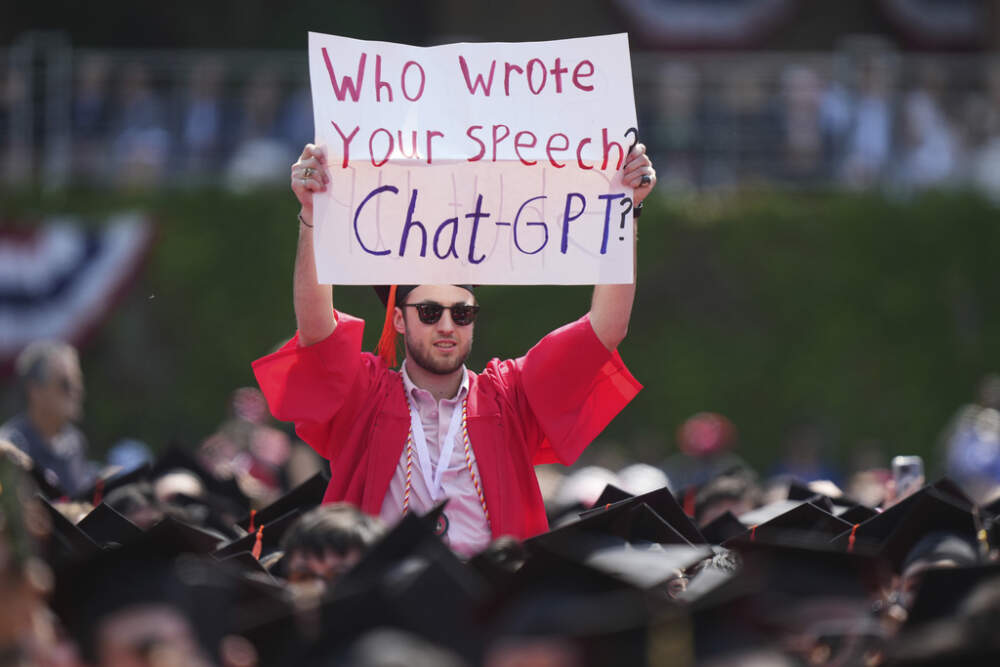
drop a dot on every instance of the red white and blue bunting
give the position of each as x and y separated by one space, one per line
685 24
61 279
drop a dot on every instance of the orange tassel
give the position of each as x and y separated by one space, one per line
253 513
386 347
98 493
753 533
689 497
259 543
850 540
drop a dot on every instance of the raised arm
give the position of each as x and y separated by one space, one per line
611 305
313 302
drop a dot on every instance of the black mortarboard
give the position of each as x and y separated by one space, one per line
47 481
645 566
611 494
806 523
270 537
67 543
175 458
767 512
798 490
857 514
943 589
424 587
896 530
115 479
171 537
604 617
139 574
723 527
663 503
303 497
629 522
106 526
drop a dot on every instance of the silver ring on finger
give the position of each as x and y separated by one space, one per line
307 172
645 180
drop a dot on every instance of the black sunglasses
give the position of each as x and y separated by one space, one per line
429 313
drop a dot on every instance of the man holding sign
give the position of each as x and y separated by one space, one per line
401 441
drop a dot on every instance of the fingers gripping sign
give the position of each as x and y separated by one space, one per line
309 175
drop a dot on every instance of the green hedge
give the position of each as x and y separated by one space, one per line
873 317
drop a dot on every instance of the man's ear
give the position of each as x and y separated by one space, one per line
398 322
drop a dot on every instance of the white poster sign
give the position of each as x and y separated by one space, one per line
490 163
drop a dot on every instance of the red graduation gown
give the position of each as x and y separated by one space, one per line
544 407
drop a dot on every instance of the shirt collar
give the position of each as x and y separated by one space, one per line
413 390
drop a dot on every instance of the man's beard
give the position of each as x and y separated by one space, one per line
423 358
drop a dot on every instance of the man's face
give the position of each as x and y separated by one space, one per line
441 347
60 393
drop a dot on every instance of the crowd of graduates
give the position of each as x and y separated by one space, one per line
170 563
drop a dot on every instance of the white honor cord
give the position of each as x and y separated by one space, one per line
434 477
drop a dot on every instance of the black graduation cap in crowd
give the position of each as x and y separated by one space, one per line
799 490
723 527
304 497
627 521
177 458
171 537
106 526
857 514
603 616
805 523
111 480
422 585
663 503
116 580
896 530
67 544
611 494
942 590
271 535
767 512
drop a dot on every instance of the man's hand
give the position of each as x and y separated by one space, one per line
611 306
309 175
638 173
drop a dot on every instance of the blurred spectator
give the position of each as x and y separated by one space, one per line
674 130
91 120
640 478
142 142
972 442
260 155
870 139
52 384
803 136
128 454
202 123
804 456
706 442
735 492
930 148
328 541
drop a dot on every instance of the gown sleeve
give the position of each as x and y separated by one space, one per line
568 388
317 386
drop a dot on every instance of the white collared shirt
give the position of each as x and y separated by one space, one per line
468 532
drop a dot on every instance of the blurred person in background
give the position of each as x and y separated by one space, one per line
142 141
972 443
804 456
930 146
202 137
706 442
51 380
802 91
675 129
869 141
91 119
260 156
